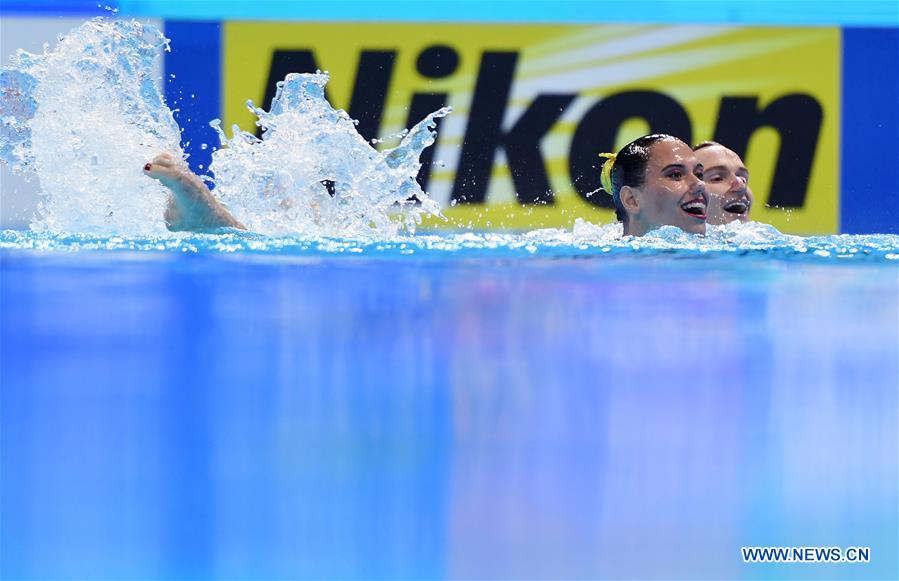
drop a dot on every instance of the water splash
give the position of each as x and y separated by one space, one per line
86 116
313 173
732 242
83 118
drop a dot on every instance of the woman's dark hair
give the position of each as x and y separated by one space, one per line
630 168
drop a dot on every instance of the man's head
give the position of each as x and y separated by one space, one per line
656 181
726 181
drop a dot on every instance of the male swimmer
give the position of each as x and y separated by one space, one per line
656 181
191 206
727 182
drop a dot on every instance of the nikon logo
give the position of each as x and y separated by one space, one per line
796 117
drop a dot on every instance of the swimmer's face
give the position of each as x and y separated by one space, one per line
672 193
727 182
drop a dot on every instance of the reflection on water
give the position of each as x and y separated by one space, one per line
199 415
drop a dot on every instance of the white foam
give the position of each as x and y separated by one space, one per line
86 115
275 184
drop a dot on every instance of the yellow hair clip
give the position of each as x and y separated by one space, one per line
605 177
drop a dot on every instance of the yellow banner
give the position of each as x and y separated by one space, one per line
534 104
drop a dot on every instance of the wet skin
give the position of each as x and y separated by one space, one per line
727 182
191 206
672 193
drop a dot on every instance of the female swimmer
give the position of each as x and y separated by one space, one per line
656 181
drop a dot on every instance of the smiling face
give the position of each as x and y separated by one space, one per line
672 193
727 182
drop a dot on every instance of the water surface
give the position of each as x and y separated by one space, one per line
504 413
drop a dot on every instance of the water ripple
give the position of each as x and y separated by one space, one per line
583 240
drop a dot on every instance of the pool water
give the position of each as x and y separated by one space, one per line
465 406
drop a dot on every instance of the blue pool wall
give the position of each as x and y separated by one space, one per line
869 199
870 130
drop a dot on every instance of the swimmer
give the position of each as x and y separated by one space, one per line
191 206
727 182
656 181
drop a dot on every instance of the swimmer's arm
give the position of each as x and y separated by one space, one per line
191 206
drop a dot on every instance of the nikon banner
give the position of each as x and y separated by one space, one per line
533 105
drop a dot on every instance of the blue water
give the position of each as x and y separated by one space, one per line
466 406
